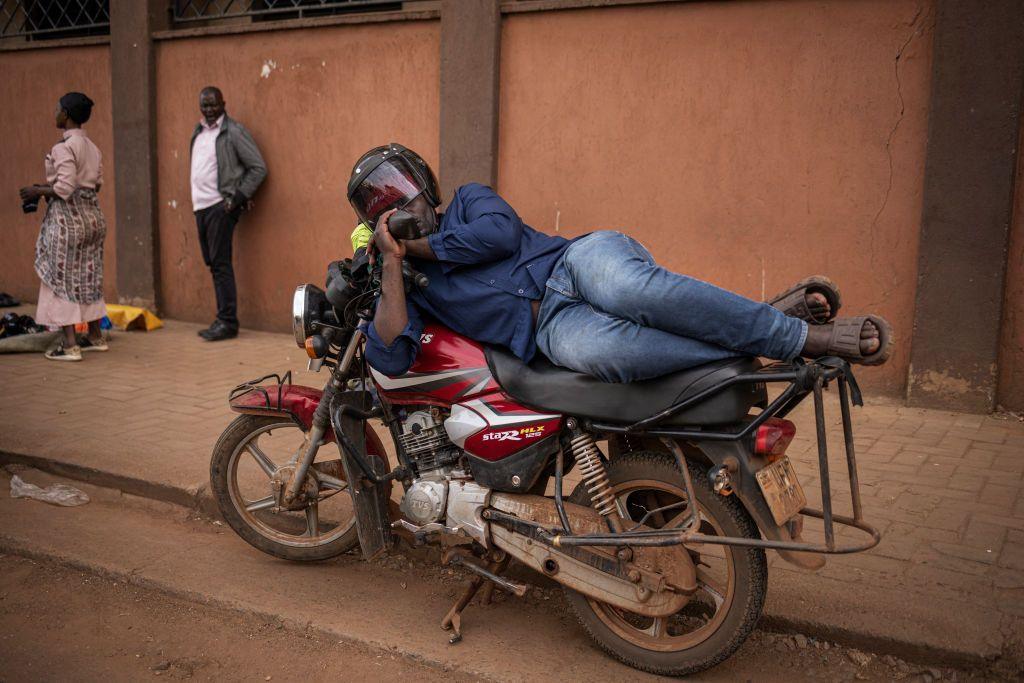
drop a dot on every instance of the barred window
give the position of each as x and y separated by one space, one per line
50 19
190 11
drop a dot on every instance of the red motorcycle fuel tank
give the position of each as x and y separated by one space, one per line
451 372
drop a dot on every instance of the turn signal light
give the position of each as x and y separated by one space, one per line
316 346
773 438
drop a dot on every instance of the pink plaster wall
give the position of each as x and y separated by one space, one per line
746 143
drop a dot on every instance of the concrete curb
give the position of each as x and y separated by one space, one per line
199 498
196 497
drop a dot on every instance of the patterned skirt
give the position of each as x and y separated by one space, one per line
69 252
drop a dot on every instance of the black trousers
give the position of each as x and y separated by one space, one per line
216 228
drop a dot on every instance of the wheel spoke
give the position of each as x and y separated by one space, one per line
658 516
300 450
711 586
684 516
329 482
313 520
265 463
658 627
678 519
261 504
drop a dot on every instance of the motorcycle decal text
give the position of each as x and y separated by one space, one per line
515 434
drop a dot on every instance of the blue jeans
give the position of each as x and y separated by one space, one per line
610 311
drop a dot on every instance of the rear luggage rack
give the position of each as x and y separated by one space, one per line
804 378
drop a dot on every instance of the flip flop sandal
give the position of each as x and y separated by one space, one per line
793 301
845 340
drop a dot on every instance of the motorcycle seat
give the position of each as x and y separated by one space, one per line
545 386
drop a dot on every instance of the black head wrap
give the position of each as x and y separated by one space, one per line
78 107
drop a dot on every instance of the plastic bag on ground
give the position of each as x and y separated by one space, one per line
55 494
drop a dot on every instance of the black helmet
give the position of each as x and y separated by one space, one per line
389 177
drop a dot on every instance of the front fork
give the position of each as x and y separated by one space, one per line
322 417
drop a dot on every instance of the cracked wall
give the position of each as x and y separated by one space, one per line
748 143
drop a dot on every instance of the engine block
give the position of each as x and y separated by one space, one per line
426 442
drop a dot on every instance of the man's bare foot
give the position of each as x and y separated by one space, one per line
818 303
819 336
814 299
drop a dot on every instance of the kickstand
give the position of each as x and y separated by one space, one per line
456 626
488 592
453 620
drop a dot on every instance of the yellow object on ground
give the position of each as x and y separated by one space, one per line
361 236
133 318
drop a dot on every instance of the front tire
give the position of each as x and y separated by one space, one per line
728 603
240 472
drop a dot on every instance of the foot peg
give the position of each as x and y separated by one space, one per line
498 562
516 589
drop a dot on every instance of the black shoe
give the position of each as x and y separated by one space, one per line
204 332
220 331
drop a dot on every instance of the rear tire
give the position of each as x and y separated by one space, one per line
657 650
223 468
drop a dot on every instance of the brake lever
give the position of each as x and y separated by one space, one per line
410 276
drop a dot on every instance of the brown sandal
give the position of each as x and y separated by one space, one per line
793 301
845 340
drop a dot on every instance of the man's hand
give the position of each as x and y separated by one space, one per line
231 207
383 242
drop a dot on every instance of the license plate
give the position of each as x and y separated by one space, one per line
782 490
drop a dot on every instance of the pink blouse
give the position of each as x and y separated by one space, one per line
74 162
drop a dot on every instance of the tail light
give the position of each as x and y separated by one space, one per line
773 438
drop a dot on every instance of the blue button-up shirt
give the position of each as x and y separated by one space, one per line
490 266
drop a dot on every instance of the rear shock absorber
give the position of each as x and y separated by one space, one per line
595 477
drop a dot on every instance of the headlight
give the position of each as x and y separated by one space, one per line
307 307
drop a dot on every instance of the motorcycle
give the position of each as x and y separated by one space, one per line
660 548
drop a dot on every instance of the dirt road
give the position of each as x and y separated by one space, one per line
122 590
58 623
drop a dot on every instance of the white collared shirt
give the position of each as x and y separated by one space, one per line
205 192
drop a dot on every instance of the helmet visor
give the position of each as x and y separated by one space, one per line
391 185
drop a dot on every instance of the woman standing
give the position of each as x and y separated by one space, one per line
69 252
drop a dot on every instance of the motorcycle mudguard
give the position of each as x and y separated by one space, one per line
745 487
299 402
369 500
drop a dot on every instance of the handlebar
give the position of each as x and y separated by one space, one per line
351 279
415 277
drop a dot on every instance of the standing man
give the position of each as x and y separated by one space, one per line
227 168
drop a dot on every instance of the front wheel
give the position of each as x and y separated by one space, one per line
731 581
248 454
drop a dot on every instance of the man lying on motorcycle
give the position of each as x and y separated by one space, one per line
598 304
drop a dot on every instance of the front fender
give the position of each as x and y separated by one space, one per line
299 403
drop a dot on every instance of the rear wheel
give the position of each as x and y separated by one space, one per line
247 455
732 581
